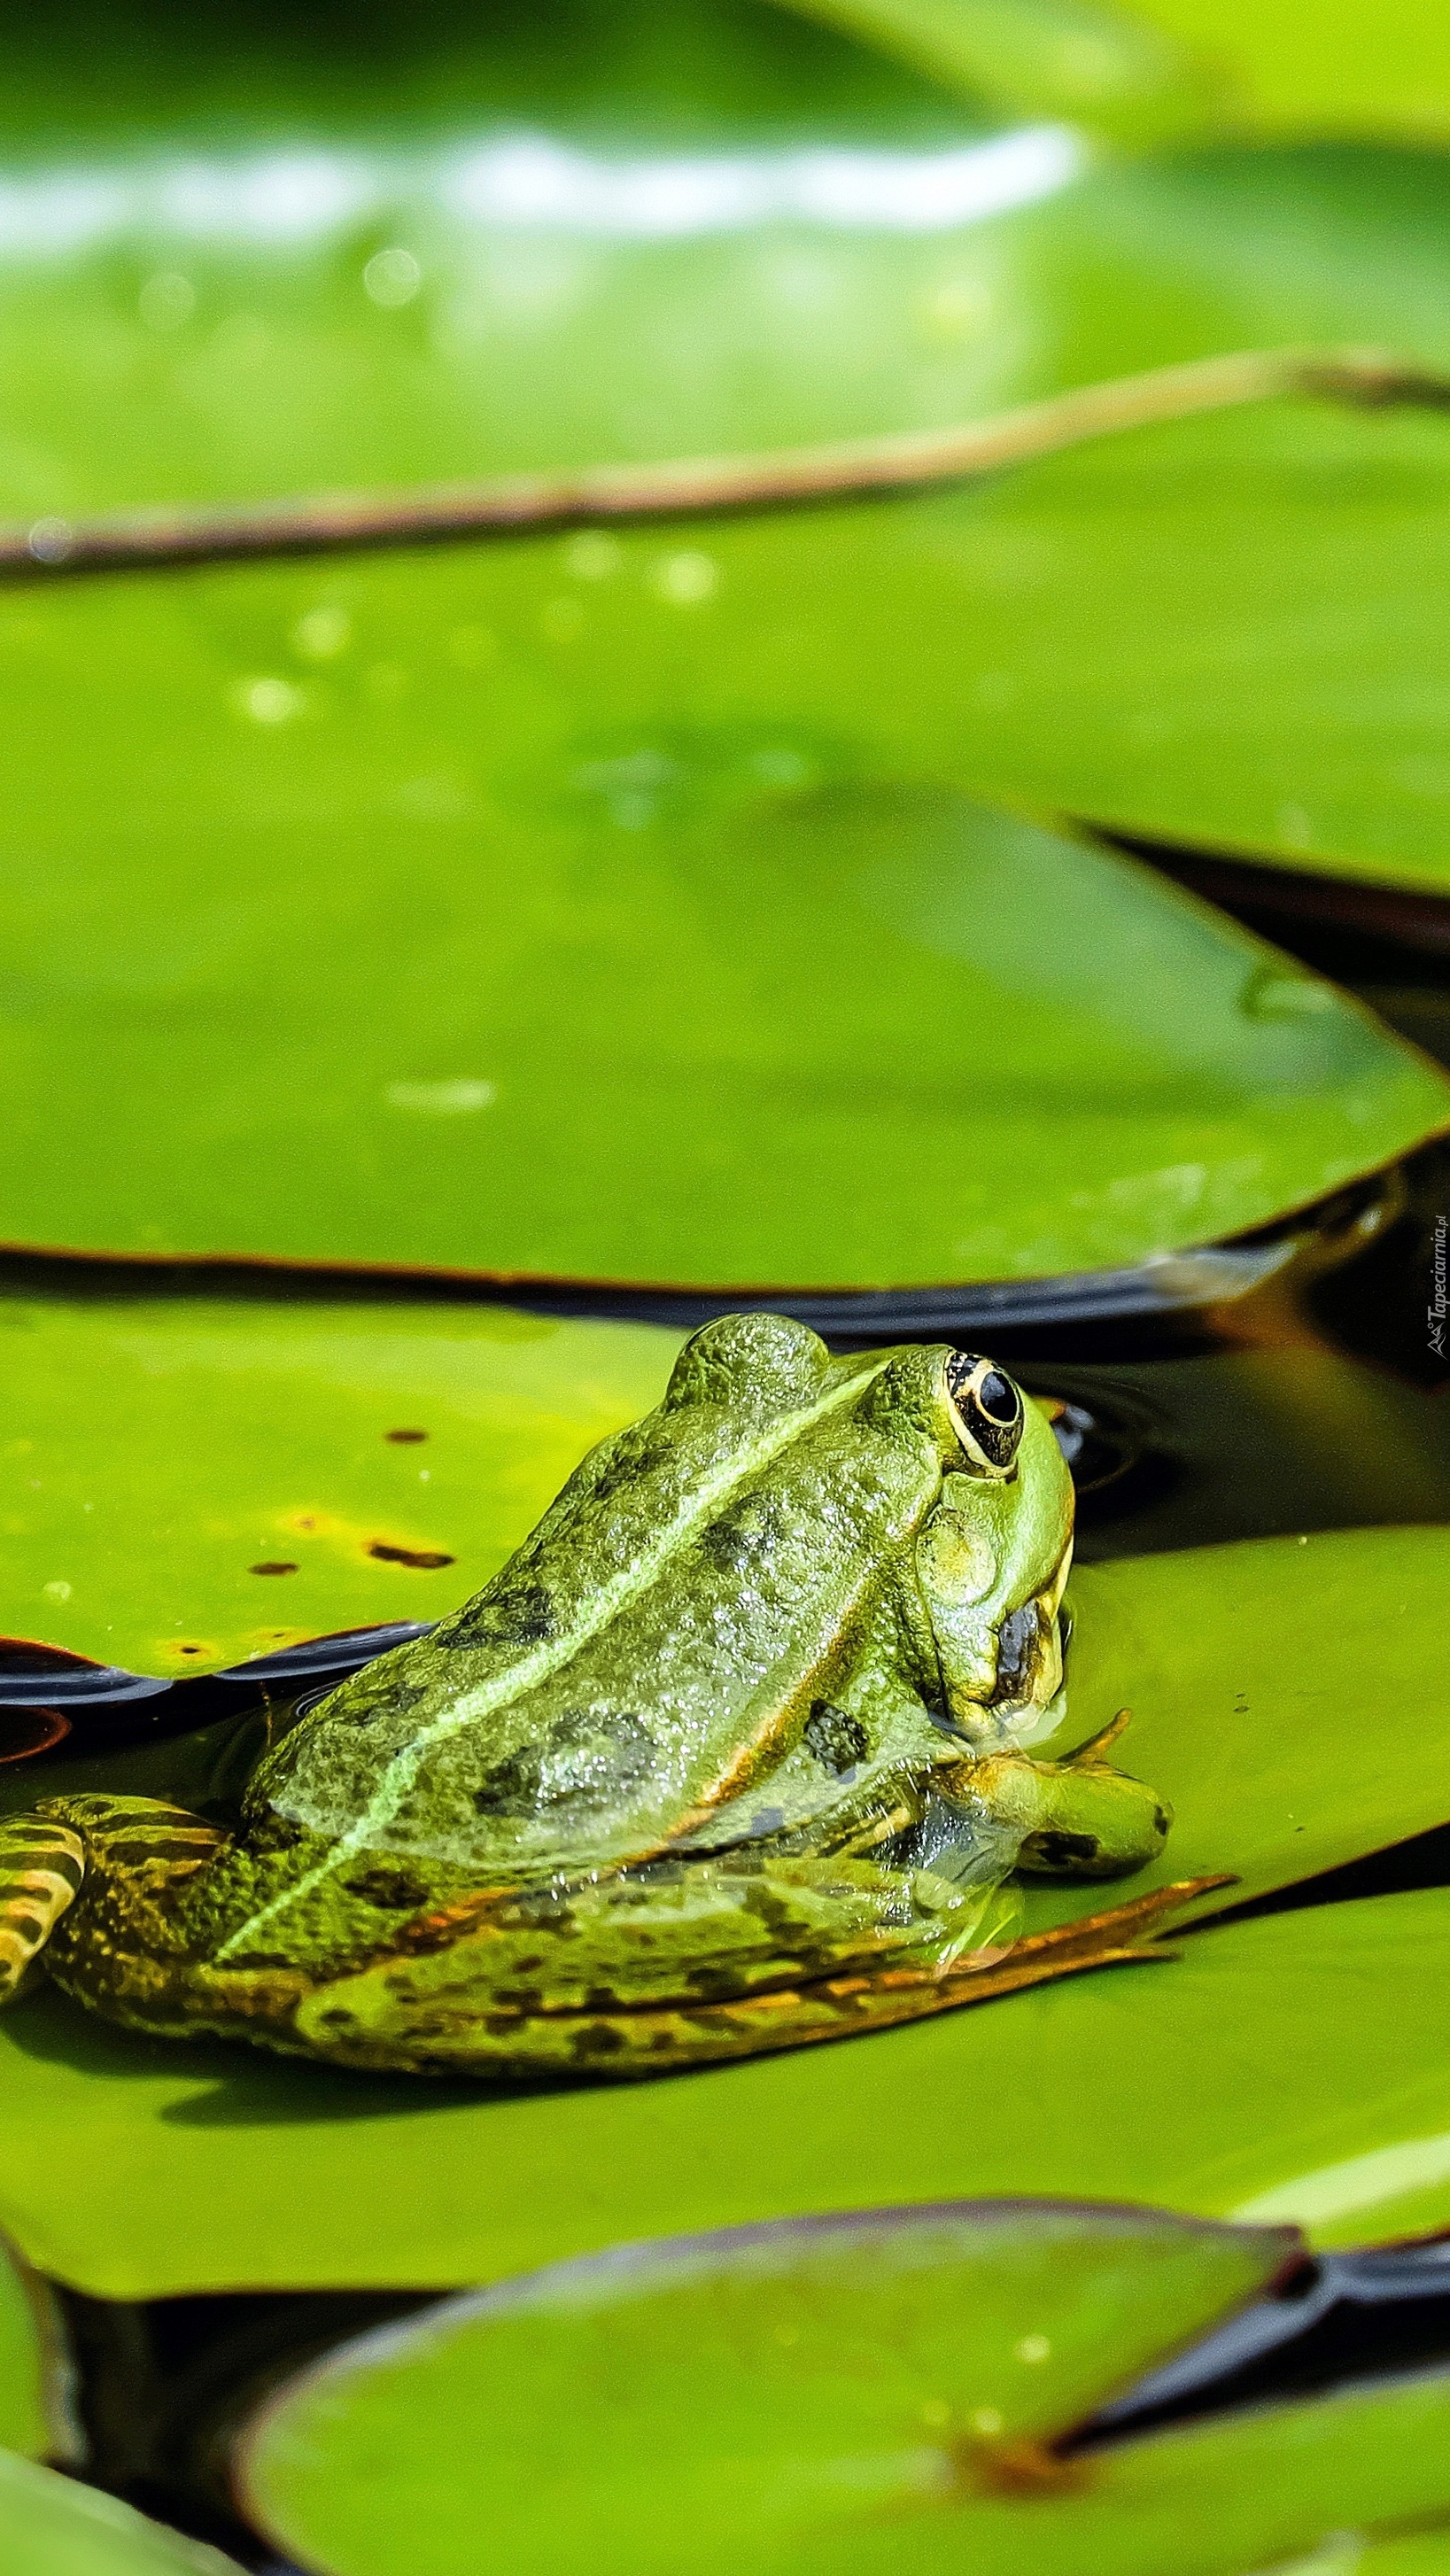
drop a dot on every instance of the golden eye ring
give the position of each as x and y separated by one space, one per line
989 1412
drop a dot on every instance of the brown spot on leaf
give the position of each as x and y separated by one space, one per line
1017 2466
405 1439
427 1559
280 1567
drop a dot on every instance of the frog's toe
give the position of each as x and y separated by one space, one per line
42 1863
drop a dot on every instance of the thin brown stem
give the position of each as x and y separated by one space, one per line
685 487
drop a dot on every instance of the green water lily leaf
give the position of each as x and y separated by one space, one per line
1221 2079
679 228
33 2408
822 2375
286 1469
1418 2553
555 1043
1280 1758
1340 69
1100 66
519 2425
55 2527
1291 2070
726 231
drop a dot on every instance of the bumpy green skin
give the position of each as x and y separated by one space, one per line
724 1758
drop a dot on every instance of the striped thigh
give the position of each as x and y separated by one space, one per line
42 1863
106 1843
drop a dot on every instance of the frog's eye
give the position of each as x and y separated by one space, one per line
988 1409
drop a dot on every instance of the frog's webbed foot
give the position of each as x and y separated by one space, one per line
133 1851
1112 1939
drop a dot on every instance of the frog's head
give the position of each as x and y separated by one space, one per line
993 1555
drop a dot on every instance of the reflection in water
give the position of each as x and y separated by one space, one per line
527 180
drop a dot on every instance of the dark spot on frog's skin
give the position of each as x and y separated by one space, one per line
511 1788
740 1536
1162 1820
838 1740
394 1888
276 1833
271 1569
405 1439
1060 1850
623 1467
426 1559
586 1761
523 1616
335 2018
596 2039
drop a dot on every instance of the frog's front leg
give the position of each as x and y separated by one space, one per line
1076 1818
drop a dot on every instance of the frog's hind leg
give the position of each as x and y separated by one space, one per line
458 2009
126 1860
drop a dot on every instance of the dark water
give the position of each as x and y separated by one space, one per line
1306 1398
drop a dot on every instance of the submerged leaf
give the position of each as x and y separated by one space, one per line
722 233
833 2383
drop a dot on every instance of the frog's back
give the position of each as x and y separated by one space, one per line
646 1643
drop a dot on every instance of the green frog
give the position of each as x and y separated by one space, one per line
733 1753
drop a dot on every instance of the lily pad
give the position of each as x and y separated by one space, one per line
1282 1754
832 2375
1213 2079
1110 68
32 2396
1419 2553
1286 2069
717 230
1340 69
612 233
54 2527
188 1482
553 1042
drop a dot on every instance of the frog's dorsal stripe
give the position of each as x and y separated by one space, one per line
547 1658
